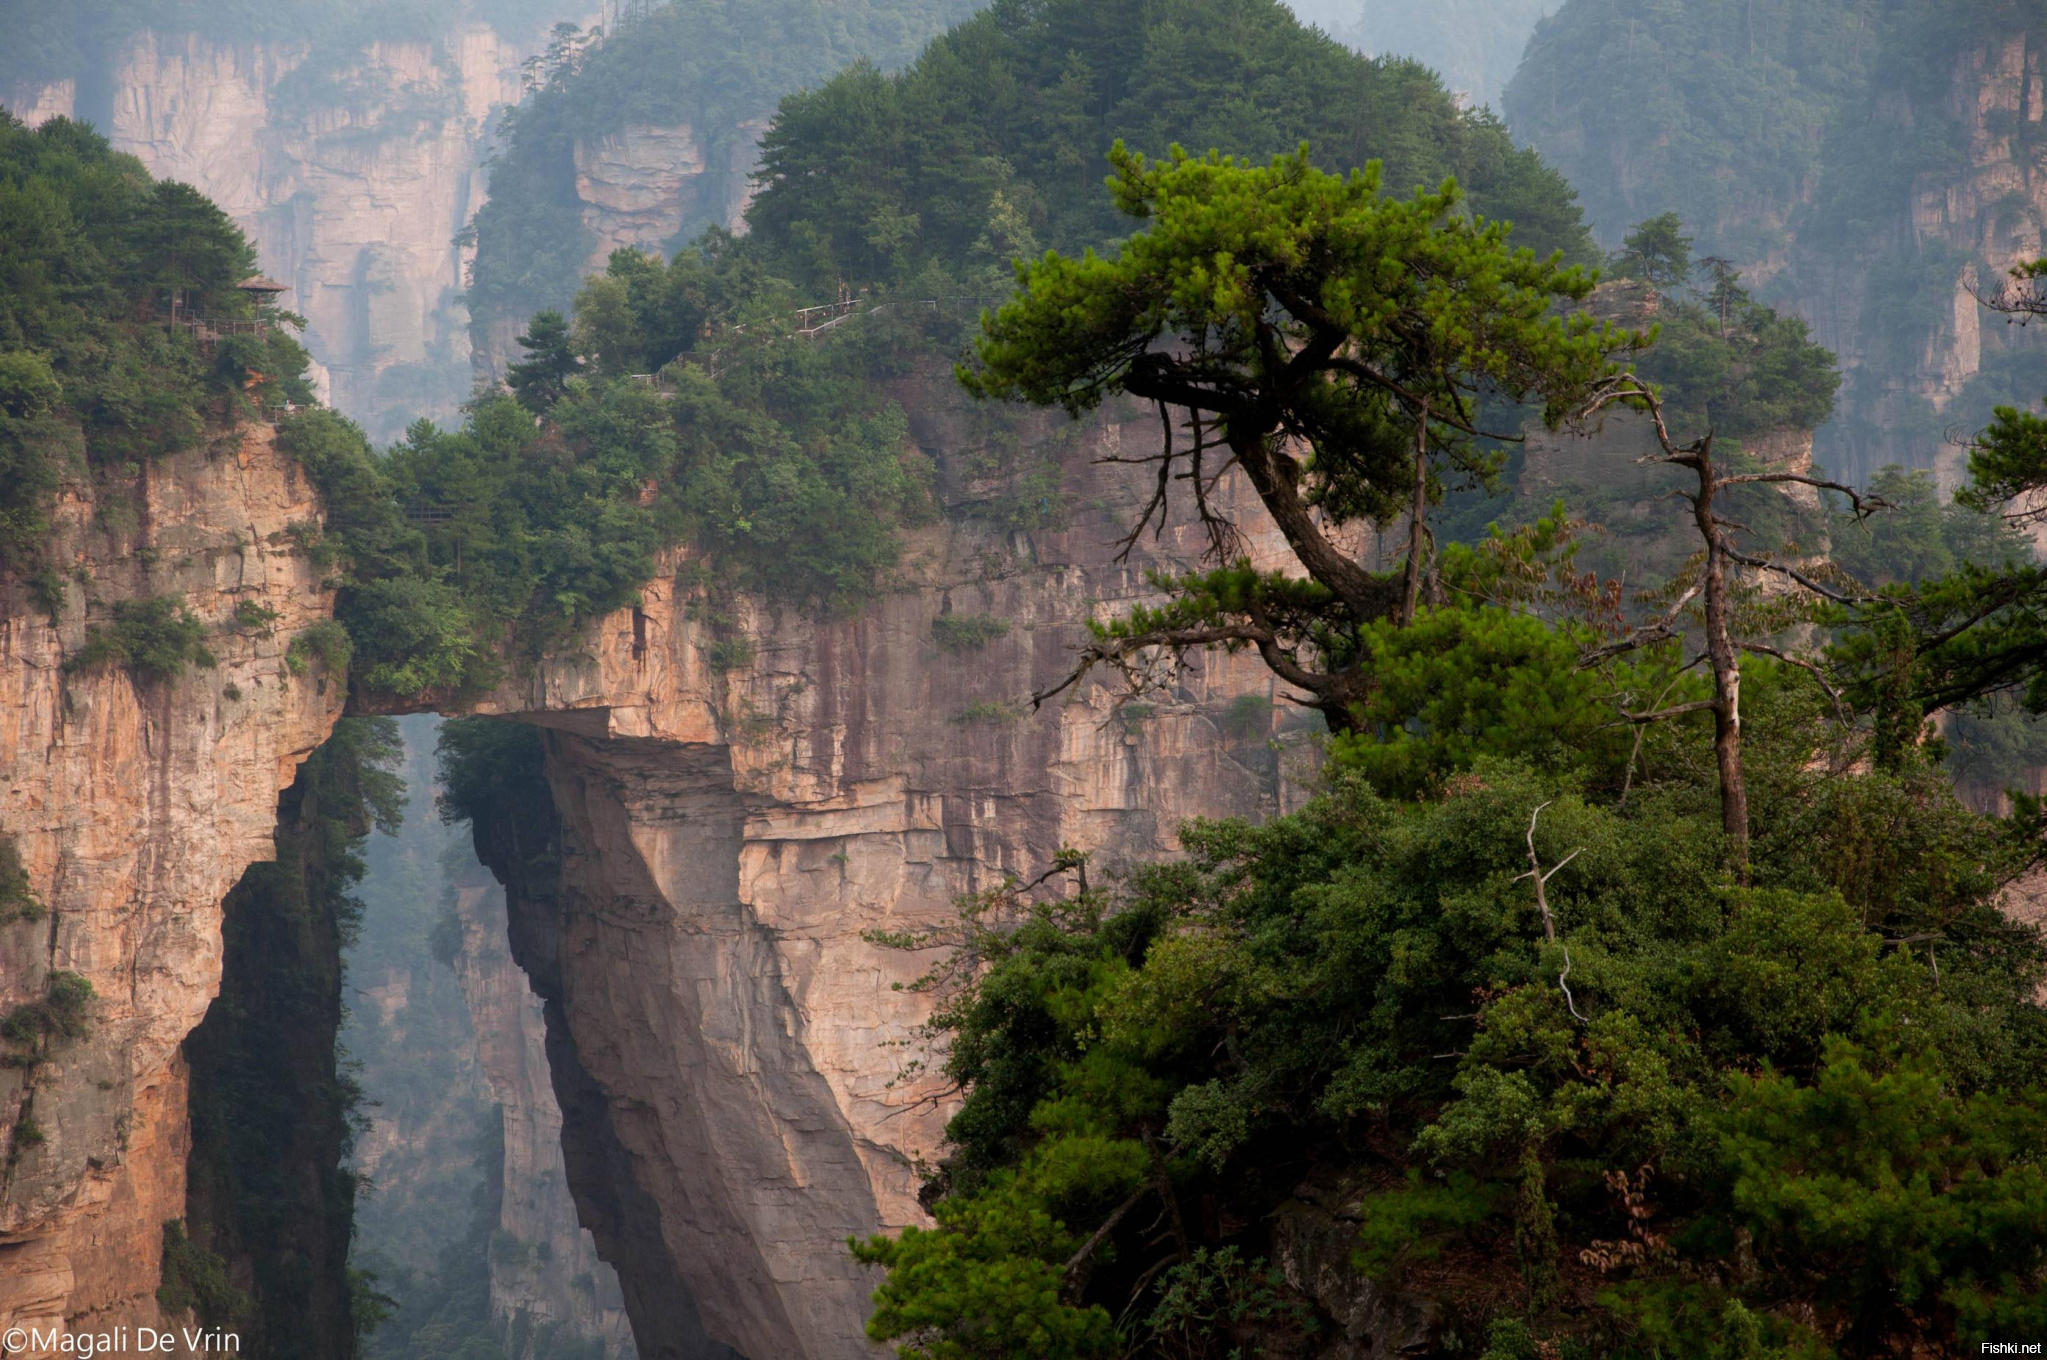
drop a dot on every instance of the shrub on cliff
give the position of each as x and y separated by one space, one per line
91 251
62 1012
153 638
18 900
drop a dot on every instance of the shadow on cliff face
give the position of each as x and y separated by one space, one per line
270 1209
495 779
264 1251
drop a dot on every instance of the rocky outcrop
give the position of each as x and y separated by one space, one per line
737 1057
642 185
546 1279
136 806
353 174
1315 1247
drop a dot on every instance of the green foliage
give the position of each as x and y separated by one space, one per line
795 473
1464 682
984 150
1367 984
416 636
730 654
1264 301
1413 1221
1723 361
1902 1196
2007 460
62 1012
324 641
195 1281
1657 252
28 387
541 378
18 900
1918 538
966 632
153 638
90 247
1958 620
1215 1293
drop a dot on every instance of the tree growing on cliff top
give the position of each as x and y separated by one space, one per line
1338 345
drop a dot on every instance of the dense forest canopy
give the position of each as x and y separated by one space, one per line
95 258
1566 1058
985 148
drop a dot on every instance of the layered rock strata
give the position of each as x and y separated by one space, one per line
135 806
739 795
737 1058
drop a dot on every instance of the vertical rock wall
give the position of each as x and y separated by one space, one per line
734 1056
135 807
1949 237
549 1280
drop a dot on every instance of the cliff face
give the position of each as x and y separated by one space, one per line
1917 350
136 807
639 186
547 1280
733 1055
738 795
352 178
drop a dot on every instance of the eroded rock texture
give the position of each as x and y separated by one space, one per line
642 185
136 806
733 1056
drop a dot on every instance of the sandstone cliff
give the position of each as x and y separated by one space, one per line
738 794
353 177
136 807
734 1057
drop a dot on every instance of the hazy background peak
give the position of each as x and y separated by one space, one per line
1474 44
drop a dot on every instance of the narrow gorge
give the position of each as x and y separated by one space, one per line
668 691
728 1049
